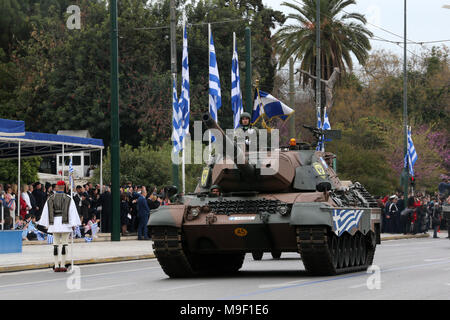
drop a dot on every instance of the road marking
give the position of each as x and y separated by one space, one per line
99 288
279 284
183 287
439 259
361 285
65 278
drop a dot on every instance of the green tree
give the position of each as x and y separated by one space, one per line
341 34
28 170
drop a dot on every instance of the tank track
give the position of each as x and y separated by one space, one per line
177 262
323 253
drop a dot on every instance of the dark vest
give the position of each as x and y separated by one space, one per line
58 205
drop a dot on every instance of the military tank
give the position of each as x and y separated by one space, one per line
301 207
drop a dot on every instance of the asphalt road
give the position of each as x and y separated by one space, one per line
407 269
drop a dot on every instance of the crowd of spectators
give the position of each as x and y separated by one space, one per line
93 206
136 204
88 200
416 214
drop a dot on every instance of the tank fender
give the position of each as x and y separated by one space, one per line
170 216
313 213
339 219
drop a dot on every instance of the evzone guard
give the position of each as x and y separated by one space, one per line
59 216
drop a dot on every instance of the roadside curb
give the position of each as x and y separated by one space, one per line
405 236
75 262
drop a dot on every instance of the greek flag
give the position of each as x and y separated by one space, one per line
272 107
49 238
326 122
71 173
345 220
94 230
236 97
177 119
184 103
412 155
256 112
215 98
77 232
319 126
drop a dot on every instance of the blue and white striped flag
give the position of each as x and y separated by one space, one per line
319 126
215 96
345 220
177 120
326 122
412 155
71 182
271 106
256 112
236 97
185 100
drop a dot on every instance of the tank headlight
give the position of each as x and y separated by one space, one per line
195 212
282 210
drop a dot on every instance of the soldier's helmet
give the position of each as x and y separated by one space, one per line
245 115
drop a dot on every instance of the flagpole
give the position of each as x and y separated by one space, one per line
182 122
71 198
318 67
209 63
405 108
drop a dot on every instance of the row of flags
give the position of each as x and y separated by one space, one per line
264 103
325 126
181 107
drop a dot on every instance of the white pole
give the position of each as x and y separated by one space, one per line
101 170
71 199
18 188
62 172
183 166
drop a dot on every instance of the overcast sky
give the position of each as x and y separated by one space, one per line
426 21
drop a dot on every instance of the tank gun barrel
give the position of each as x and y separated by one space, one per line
248 170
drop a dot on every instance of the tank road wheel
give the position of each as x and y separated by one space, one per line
257 255
333 244
353 251
323 253
370 248
341 257
346 249
363 252
276 254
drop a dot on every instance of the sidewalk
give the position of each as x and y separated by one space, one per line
38 255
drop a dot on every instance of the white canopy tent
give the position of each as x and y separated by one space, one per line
32 144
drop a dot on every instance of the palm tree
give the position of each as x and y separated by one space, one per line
341 34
